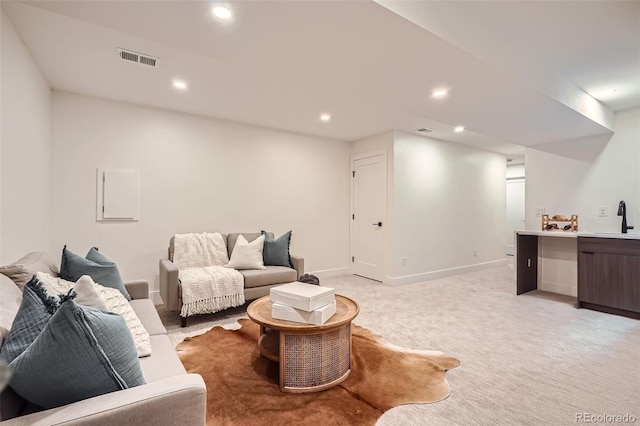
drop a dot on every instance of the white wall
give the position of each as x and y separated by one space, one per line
515 171
197 174
25 151
580 184
568 186
449 200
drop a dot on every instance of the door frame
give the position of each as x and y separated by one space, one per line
385 226
511 180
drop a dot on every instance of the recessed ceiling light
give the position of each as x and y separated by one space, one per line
221 12
458 129
439 93
180 85
325 117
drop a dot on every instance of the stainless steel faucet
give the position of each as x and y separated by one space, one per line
622 211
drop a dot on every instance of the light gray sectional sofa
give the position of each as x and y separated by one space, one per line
170 395
257 282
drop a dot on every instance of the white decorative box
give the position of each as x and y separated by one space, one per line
307 297
318 316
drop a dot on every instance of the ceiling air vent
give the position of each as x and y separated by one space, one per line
424 130
131 56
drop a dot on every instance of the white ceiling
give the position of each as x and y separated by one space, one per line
518 72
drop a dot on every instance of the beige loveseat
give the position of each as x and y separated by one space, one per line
257 282
170 395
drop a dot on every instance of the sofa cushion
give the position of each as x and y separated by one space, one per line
36 309
23 269
82 352
276 251
9 304
247 255
164 362
99 268
269 275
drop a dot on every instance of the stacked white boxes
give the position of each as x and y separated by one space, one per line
305 303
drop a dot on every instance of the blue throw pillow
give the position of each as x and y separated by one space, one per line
99 268
82 352
36 309
276 252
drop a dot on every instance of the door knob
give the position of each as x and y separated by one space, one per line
377 224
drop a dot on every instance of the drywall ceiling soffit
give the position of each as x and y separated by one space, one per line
564 48
282 63
585 149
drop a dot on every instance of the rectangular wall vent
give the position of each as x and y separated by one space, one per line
131 56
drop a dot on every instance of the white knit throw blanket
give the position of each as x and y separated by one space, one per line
207 286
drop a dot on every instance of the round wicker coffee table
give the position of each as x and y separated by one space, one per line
312 357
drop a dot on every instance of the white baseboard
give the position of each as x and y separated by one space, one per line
426 276
327 273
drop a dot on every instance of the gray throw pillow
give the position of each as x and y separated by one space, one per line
276 252
82 352
99 268
36 309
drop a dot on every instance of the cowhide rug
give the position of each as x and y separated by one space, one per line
242 386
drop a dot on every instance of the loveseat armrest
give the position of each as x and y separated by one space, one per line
138 289
298 264
179 400
169 285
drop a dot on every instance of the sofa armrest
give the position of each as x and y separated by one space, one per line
169 285
298 264
175 400
138 289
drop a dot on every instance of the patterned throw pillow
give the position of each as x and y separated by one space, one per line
104 298
36 309
98 267
116 303
82 352
84 288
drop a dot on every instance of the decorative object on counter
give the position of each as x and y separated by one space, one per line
548 223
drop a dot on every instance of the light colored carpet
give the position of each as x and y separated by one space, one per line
526 360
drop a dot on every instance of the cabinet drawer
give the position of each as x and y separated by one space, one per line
609 245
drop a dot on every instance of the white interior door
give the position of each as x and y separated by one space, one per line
515 211
368 207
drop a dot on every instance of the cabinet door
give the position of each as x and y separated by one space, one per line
527 275
609 280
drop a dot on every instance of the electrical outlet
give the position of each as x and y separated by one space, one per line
603 211
540 211
404 261
475 252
